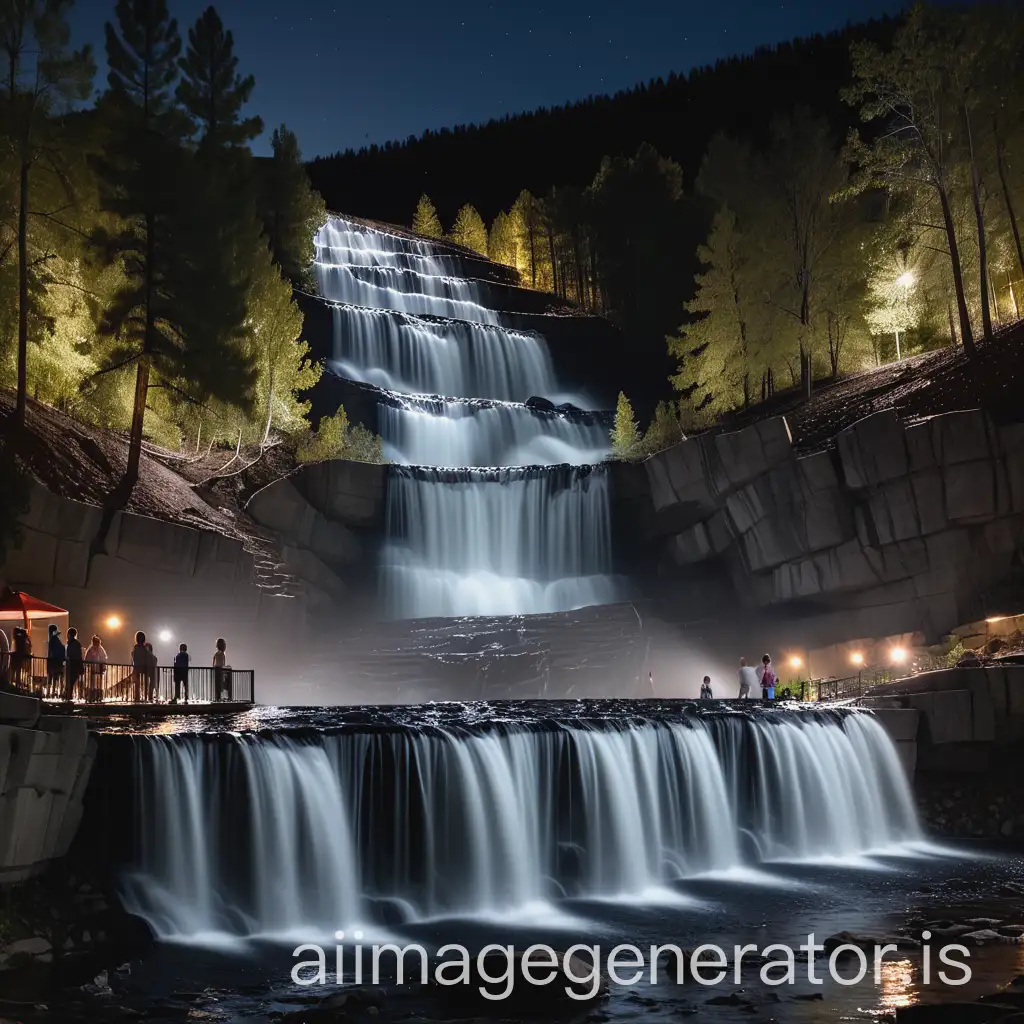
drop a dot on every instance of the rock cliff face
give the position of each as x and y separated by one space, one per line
899 527
45 763
199 584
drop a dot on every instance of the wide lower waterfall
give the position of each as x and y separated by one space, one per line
413 320
464 542
301 833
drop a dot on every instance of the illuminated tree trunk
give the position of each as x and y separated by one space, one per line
979 216
1007 198
19 414
966 335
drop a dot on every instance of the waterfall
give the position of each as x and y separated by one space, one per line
421 431
465 542
411 320
275 833
408 354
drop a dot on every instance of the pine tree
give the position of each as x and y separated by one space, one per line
469 230
425 220
41 73
292 212
626 433
714 349
180 309
210 90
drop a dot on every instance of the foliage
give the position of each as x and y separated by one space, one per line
41 75
210 91
469 230
626 432
425 220
335 438
291 211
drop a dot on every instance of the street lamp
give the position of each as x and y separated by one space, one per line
857 658
898 655
165 636
113 622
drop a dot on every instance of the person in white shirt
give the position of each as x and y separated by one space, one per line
748 679
5 659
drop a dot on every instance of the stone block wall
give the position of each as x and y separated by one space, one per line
895 529
197 584
45 762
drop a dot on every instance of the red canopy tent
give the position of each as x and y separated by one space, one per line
15 604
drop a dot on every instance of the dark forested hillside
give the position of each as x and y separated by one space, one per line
488 165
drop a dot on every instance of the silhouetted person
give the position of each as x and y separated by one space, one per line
76 659
705 689
55 655
181 660
21 658
140 664
96 663
150 672
5 659
221 680
767 674
748 679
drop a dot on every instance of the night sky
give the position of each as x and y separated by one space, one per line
345 74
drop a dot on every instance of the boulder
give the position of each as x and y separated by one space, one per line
540 404
873 450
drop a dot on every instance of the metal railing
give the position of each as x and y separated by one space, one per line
108 682
836 689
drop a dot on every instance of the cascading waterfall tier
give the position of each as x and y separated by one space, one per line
485 433
496 542
298 833
419 356
410 321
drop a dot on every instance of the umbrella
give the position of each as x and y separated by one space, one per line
14 604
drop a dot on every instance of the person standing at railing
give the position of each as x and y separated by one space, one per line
150 673
767 674
76 659
748 679
55 655
140 665
96 662
21 658
221 677
181 662
5 659
705 689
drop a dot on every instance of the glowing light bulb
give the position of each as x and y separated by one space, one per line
165 635
795 661
898 655
906 279
857 658
113 622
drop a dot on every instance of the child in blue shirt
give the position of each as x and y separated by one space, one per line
181 661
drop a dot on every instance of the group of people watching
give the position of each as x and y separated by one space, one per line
750 679
73 670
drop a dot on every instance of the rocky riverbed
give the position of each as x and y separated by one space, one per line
94 963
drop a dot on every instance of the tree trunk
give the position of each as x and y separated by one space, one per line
952 326
554 266
764 385
966 335
1007 198
995 301
199 435
270 416
22 398
131 473
979 216
1013 296
746 391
